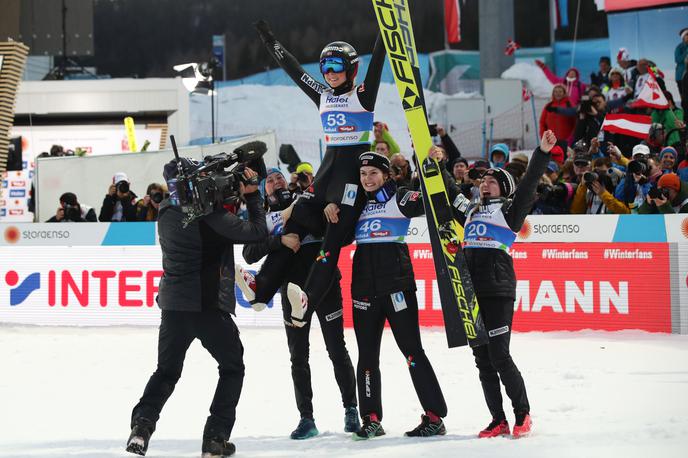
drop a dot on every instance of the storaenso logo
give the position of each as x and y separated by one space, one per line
397 51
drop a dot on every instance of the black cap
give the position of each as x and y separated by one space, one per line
374 160
68 198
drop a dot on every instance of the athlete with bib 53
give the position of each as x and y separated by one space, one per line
346 111
490 230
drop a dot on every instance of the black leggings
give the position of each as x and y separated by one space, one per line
332 327
337 181
369 316
494 361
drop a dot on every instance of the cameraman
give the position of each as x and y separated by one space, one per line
71 211
670 196
595 194
196 295
148 207
120 202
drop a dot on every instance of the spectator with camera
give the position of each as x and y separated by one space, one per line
594 195
400 170
71 211
119 204
381 134
302 178
582 162
148 207
475 173
669 196
633 188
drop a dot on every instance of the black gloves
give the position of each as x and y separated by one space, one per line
551 109
264 31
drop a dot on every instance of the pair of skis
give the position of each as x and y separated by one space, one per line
463 323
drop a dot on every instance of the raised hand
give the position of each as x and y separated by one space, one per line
548 141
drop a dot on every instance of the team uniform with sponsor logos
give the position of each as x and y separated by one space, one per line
329 314
347 119
383 289
490 230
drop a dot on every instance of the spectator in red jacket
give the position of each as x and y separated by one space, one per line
562 125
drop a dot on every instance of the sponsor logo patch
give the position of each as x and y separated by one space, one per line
398 301
498 331
350 192
334 315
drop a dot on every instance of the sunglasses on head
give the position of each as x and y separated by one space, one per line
332 64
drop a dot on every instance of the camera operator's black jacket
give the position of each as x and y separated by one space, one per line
492 270
198 261
108 208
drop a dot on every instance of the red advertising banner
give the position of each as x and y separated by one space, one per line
621 5
573 286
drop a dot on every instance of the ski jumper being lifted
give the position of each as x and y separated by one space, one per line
346 111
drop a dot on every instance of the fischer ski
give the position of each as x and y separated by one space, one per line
463 323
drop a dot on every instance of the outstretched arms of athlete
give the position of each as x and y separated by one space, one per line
368 92
309 85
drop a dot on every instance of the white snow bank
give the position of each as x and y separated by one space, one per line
69 392
533 76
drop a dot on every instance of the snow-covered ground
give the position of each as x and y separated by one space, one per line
69 392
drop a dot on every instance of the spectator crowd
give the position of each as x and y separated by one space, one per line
592 171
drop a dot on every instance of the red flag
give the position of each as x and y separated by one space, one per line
511 47
651 95
452 21
627 124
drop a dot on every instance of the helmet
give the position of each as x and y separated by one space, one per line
345 59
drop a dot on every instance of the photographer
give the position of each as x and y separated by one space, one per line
71 211
148 207
669 196
400 170
120 202
595 194
329 313
196 295
302 178
635 185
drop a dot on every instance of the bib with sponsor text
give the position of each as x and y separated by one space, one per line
345 122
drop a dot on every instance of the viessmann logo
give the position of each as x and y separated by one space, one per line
125 288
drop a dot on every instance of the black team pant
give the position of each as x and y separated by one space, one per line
369 316
219 335
494 362
332 326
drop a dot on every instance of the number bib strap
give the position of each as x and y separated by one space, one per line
482 234
382 223
345 122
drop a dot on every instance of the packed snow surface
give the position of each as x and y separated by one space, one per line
68 392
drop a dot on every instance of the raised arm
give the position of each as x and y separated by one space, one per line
368 91
309 85
524 197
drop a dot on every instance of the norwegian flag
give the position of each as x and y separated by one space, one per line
511 47
627 124
651 95
526 93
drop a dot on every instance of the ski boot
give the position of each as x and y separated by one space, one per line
246 282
